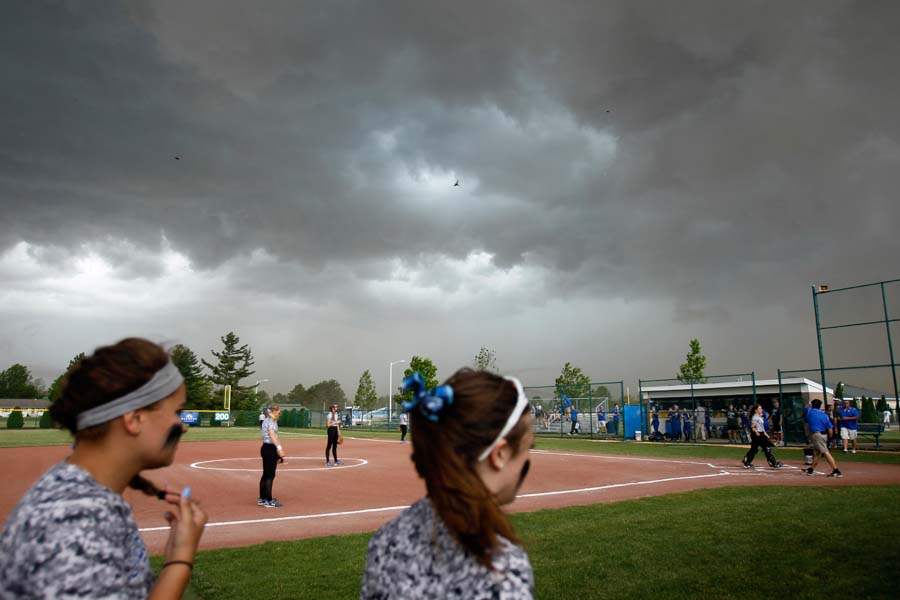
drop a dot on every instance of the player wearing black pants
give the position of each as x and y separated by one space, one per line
333 422
271 453
759 439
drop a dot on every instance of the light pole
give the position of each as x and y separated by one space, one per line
391 385
256 388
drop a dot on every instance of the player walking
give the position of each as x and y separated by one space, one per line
759 439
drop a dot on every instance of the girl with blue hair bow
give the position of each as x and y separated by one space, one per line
471 440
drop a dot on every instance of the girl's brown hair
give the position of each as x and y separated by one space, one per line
109 373
445 453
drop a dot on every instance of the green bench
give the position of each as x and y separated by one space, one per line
875 429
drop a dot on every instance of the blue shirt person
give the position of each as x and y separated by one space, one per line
849 424
817 420
675 416
655 422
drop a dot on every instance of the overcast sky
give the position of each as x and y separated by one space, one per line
631 175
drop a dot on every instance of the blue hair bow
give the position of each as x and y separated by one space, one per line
430 402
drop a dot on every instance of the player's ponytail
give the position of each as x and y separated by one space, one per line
445 452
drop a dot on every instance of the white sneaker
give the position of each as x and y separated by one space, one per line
853 452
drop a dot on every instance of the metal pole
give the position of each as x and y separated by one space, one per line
753 375
821 350
887 327
390 389
781 405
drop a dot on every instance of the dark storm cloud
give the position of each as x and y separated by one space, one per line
705 152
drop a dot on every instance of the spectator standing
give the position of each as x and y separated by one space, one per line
820 428
731 422
688 428
886 416
676 423
654 423
574 416
849 424
615 419
700 420
776 422
745 424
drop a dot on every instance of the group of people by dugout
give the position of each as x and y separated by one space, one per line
702 422
72 535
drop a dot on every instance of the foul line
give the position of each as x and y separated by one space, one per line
197 465
396 508
292 518
621 485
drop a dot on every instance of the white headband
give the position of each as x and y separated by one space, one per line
162 385
514 416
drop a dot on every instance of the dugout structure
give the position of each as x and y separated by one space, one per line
594 405
709 395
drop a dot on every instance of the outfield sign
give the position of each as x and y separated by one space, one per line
190 417
221 416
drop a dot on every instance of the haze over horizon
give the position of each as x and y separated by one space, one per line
631 175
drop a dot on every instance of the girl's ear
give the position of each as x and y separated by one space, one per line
132 422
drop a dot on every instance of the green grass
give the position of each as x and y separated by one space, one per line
795 542
48 437
13 438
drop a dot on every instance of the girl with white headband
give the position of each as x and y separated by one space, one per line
73 535
471 439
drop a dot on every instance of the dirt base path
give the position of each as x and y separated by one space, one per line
378 480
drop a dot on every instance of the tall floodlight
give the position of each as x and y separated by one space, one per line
391 386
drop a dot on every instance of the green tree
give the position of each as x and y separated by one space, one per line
55 390
46 421
839 390
691 371
881 405
279 398
233 365
197 386
601 392
572 382
426 369
16 382
325 393
868 414
366 396
15 419
485 360
297 395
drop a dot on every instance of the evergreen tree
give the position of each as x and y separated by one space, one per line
868 414
366 395
881 405
691 371
233 365
197 386
15 420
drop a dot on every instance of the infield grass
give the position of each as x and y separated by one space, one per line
795 542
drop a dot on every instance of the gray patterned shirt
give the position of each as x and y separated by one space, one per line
71 537
415 556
